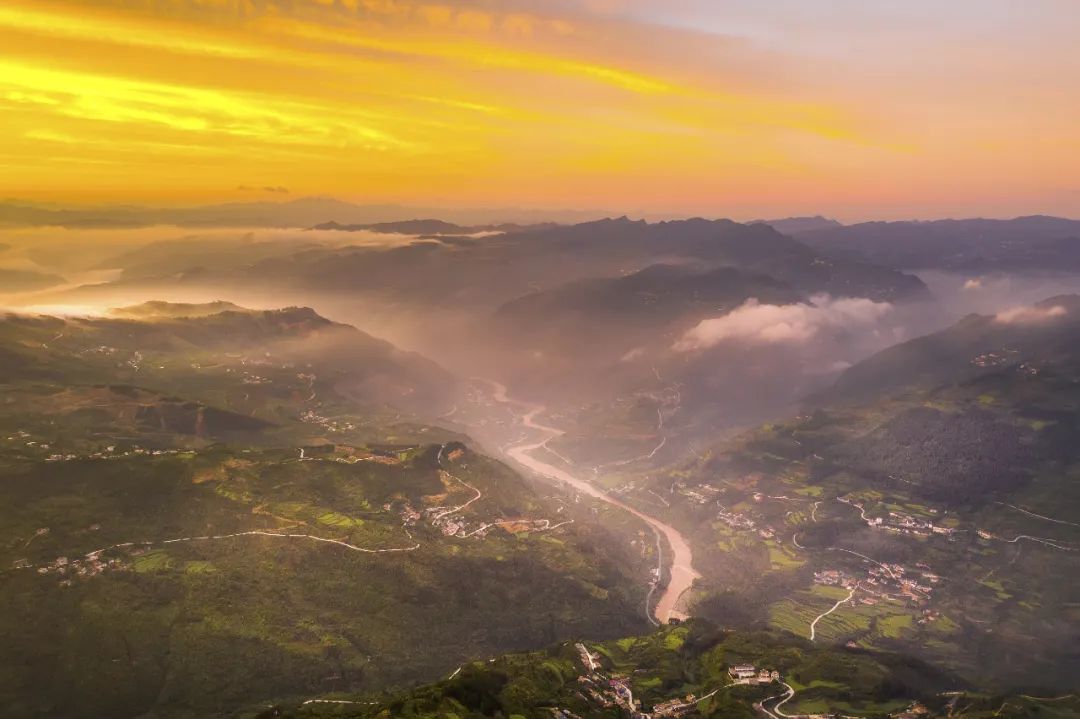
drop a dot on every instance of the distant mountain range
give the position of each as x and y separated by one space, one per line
498 268
582 310
429 227
795 225
1024 243
302 212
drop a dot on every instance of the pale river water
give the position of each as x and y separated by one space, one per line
682 569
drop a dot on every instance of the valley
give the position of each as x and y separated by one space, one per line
678 568
216 487
539 359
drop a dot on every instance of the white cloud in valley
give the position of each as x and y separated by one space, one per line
758 323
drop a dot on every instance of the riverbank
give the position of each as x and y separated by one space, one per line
681 568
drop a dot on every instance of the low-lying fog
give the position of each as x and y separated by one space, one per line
744 364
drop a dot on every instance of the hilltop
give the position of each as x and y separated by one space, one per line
159 310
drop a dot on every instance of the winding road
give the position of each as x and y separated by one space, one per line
784 698
813 624
682 569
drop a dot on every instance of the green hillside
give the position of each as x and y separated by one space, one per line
936 483
683 671
188 529
285 368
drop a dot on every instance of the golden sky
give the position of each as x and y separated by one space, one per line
742 108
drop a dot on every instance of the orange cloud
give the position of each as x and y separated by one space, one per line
524 102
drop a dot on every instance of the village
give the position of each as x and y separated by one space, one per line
327 423
1002 358
110 451
451 523
451 520
607 690
896 522
993 359
83 568
883 582
900 522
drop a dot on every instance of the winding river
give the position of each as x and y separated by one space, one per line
681 569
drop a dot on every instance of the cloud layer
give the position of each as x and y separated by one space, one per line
753 322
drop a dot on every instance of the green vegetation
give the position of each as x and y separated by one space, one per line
974 499
204 512
196 627
671 663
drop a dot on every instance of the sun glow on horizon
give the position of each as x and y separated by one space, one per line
527 103
62 310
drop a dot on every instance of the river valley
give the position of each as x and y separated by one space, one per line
680 564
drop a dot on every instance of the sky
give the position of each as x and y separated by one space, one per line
857 109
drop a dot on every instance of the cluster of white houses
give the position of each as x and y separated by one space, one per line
749 674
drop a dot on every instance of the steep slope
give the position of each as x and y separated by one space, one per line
427 294
606 317
1047 333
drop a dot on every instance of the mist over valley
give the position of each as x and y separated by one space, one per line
539 359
